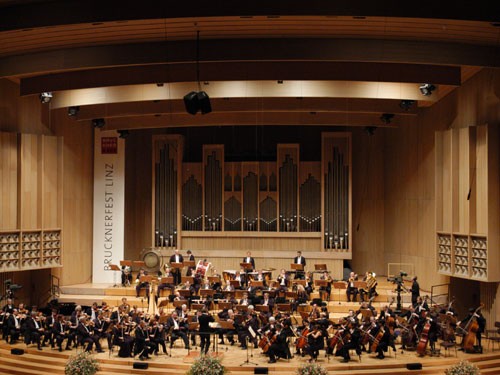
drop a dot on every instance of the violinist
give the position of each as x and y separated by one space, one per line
49 323
178 328
250 320
409 337
279 347
122 338
228 316
13 326
157 335
143 345
267 301
85 332
34 330
102 327
9 306
421 306
60 333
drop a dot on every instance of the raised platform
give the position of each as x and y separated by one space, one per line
51 361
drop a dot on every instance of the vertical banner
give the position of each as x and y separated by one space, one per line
109 205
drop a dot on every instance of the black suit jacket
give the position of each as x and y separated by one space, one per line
252 262
172 258
296 260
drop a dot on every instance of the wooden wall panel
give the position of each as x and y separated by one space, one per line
479 188
77 195
8 181
9 92
251 243
31 162
52 182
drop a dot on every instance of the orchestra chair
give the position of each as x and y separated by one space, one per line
447 345
493 336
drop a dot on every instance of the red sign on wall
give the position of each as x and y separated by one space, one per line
109 145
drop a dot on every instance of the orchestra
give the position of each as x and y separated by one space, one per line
254 316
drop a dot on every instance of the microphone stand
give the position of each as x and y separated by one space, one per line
247 362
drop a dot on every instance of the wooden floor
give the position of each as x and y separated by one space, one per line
178 361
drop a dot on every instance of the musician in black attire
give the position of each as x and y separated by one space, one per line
190 269
299 259
141 284
351 290
251 260
178 328
415 291
315 342
228 316
143 345
204 319
279 347
87 336
176 272
481 322
383 340
351 338
33 331
60 332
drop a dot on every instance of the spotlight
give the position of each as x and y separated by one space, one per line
197 101
406 104
73 111
386 118
123 133
98 123
427 88
46 97
370 130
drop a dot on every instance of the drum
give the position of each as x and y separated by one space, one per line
201 269
152 260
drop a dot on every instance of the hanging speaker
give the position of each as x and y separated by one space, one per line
204 103
414 366
191 102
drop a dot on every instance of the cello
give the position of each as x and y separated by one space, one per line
302 340
471 328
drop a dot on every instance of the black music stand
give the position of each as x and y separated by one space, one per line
339 285
249 348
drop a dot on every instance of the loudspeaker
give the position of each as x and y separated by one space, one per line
204 103
140 365
16 351
260 370
191 102
414 366
317 301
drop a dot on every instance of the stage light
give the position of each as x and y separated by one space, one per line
46 97
386 118
370 130
197 101
123 134
406 104
73 111
98 123
427 88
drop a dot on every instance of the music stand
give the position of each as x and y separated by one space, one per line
297 267
163 303
213 279
339 285
184 292
197 306
253 334
257 284
138 264
184 279
224 305
180 302
167 280
284 307
114 267
234 283
242 308
320 267
262 308
246 266
189 263
206 292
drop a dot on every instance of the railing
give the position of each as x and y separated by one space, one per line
440 294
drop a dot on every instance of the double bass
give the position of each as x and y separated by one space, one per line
424 338
471 328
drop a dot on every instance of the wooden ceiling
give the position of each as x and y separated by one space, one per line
63 54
